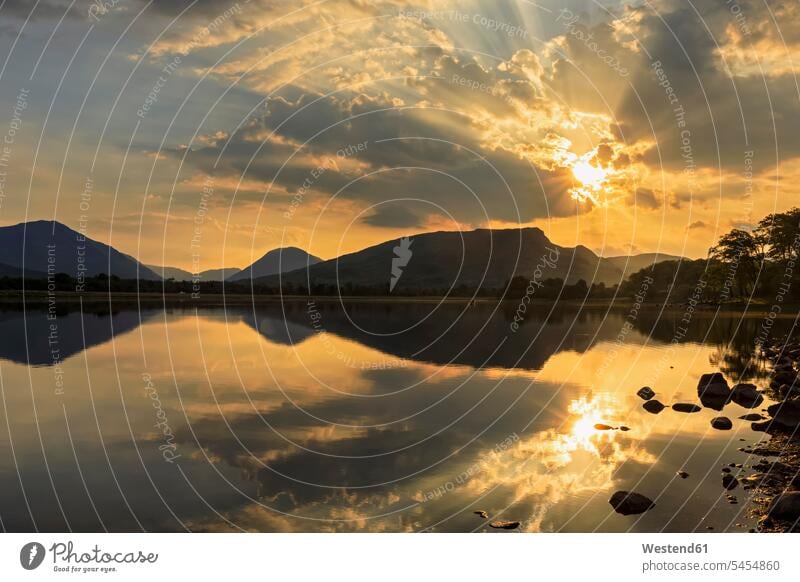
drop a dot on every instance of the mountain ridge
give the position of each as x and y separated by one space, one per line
435 260
280 260
44 246
479 258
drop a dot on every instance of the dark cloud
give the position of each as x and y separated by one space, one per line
371 152
394 216
645 198
28 9
678 82
713 118
196 7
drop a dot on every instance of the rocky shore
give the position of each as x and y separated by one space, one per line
775 477
772 475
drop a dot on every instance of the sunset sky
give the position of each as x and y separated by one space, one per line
220 130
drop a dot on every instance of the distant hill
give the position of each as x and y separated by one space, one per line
276 261
182 275
634 263
483 257
16 272
33 246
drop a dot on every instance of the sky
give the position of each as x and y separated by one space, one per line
201 134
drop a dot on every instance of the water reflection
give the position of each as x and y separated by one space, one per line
346 421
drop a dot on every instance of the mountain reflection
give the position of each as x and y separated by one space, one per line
348 420
40 338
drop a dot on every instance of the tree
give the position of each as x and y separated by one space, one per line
781 234
740 254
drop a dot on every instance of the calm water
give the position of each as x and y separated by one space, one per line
377 417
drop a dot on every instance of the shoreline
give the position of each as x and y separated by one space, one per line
34 298
776 483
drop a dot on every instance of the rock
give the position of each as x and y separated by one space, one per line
786 414
714 402
746 395
685 407
726 470
624 428
752 417
713 385
603 427
786 507
504 524
712 378
683 474
721 423
645 393
788 392
481 514
653 406
785 377
765 452
730 482
630 503
713 391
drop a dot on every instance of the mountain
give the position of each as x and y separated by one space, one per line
219 274
182 275
35 246
631 264
482 257
16 272
277 261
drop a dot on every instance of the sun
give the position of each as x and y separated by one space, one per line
588 175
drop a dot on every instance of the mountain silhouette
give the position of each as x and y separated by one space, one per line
15 272
483 257
276 261
633 263
44 246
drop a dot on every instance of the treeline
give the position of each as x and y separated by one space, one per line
61 282
760 263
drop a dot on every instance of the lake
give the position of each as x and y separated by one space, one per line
369 416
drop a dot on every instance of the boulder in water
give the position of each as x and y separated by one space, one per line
752 417
721 423
713 385
645 393
786 414
730 482
746 395
504 524
630 503
653 406
685 407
